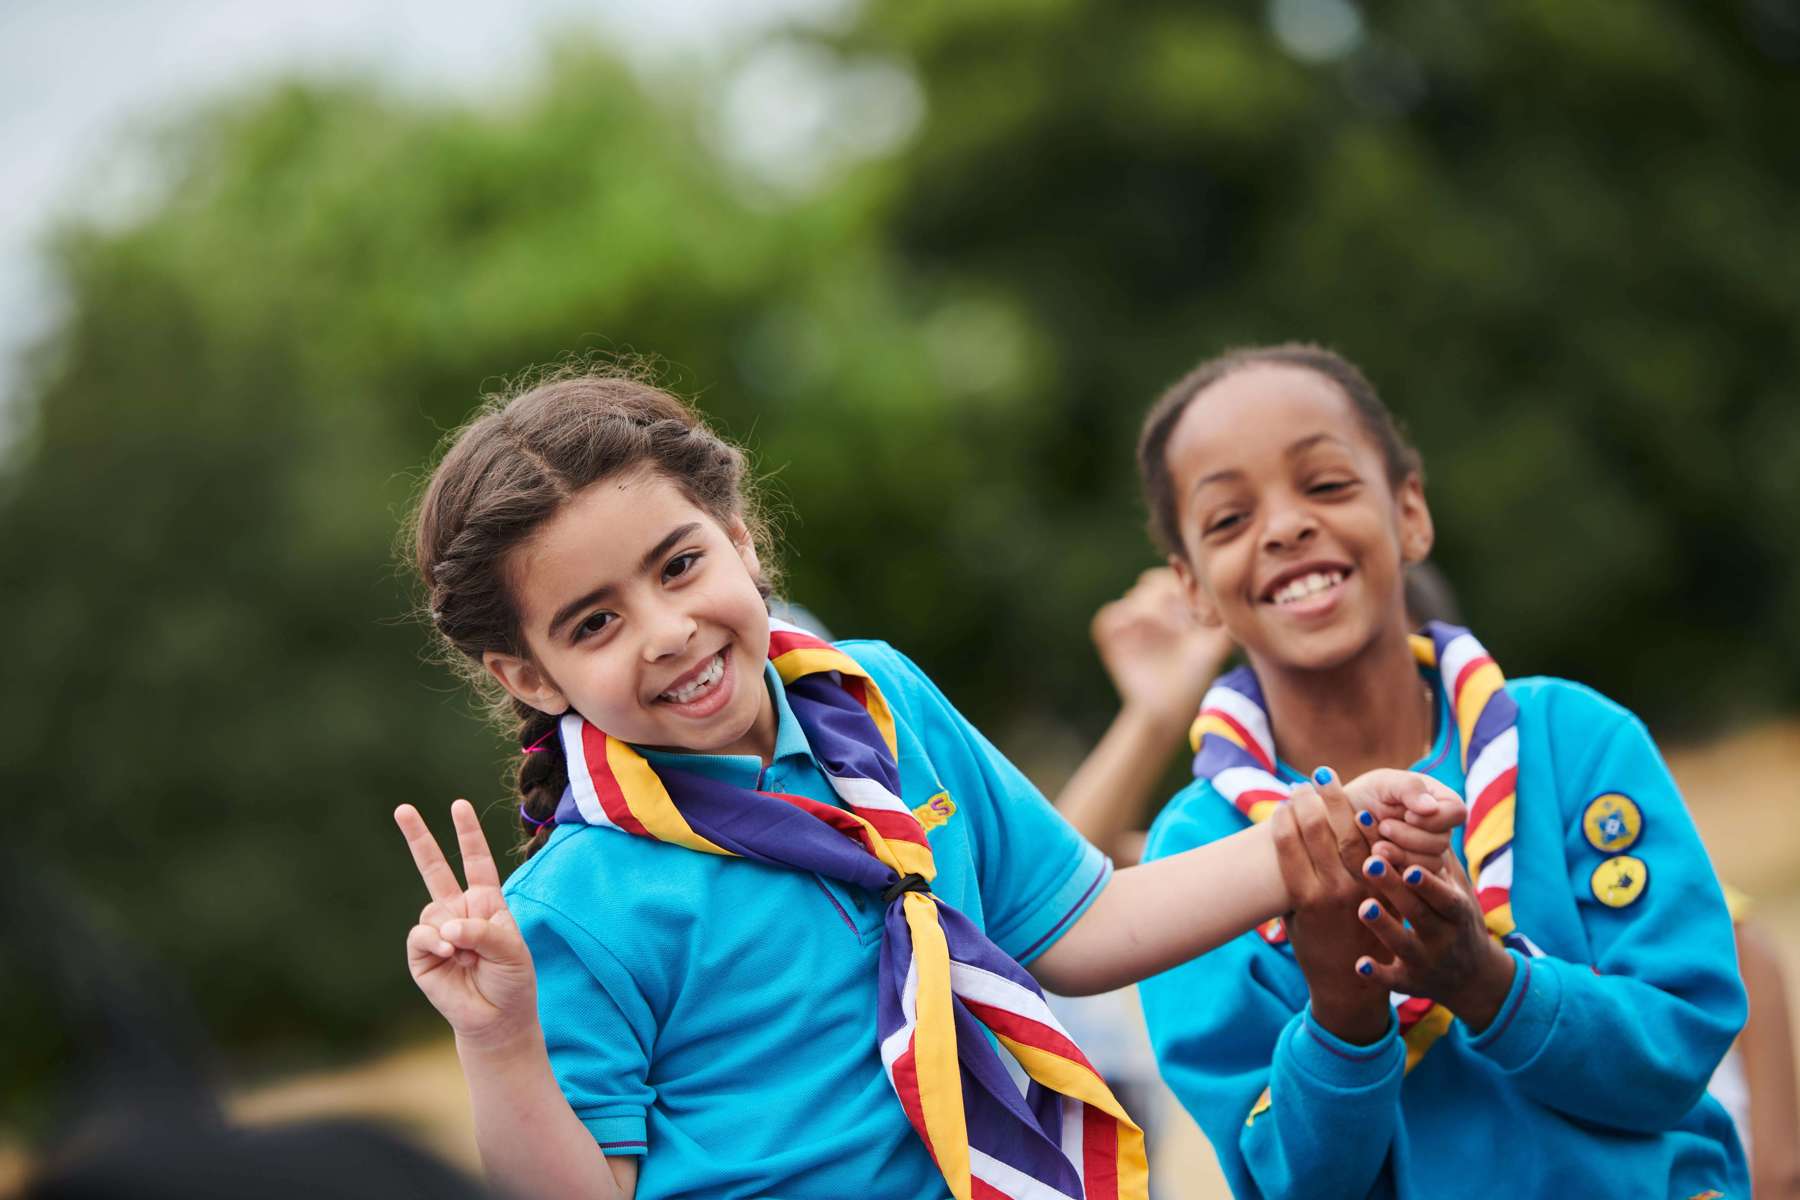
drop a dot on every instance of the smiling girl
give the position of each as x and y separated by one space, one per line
1539 1015
779 891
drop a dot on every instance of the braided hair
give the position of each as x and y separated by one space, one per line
519 459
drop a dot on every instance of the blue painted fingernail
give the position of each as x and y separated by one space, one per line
1365 968
1322 776
1371 911
1377 867
1414 875
1365 818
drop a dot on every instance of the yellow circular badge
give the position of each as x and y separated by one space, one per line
1620 880
1612 822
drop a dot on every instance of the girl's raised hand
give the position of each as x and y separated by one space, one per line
1159 657
466 953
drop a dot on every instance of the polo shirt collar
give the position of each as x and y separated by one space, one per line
745 770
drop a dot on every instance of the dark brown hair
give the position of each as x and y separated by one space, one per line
1153 442
512 467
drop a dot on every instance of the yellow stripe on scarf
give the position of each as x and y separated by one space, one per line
649 801
1206 723
934 1045
1481 684
1426 1030
810 660
1495 831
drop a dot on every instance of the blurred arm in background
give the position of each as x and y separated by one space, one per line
1161 661
1766 1049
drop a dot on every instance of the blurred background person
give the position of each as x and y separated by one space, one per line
1160 661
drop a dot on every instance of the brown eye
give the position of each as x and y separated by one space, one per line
594 624
680 565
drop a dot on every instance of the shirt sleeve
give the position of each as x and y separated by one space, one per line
597 1026
1291 1110
1630 1041
1037 875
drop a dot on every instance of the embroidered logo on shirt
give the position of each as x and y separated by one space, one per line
936 811
1612 823
1620 881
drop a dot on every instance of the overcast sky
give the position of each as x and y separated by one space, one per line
77 76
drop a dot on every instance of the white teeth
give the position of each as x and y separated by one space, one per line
1308 585
700 683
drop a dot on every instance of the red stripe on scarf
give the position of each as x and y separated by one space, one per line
1099 1153
1412 1010
906 1086
1248 799
1492 898
900 827
1250 744
1504 785
1462 677
783 640
894 826
606 784
832 815
1024 1029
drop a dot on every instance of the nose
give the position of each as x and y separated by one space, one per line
667 630
1287 527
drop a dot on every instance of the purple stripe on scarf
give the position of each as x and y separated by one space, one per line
1498 715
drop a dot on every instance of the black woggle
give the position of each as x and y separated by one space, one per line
904 884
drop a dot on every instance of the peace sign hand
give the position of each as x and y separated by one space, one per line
466 953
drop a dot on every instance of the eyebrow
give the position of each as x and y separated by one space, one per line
567 612
1293 451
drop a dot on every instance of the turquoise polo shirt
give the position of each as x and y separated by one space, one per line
717 1015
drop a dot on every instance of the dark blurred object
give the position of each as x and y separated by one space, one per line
1429 596
173 1160
126 1043
138 1117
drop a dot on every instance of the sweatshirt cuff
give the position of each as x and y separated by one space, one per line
1345 1066
1522 1027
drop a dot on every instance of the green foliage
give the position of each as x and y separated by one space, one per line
1558 237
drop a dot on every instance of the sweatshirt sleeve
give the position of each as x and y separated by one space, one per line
1630 1041
1235 1023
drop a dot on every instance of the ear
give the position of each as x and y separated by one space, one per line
745 545
525 681
1414 519
1198 601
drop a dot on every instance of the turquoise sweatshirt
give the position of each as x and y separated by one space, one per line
1592 1077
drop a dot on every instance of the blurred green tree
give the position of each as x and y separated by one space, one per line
1556 237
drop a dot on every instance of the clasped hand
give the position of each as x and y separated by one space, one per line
1381 902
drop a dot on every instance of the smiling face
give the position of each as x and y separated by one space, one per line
640 611
1292 536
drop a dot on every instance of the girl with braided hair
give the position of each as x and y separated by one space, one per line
772 933
1537 1014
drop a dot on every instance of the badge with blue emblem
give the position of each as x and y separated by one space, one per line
1612 823
1620 881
